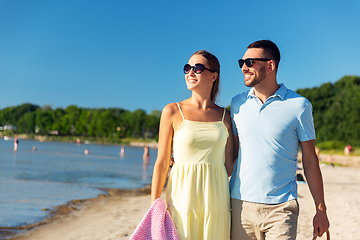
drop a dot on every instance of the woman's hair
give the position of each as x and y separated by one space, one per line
215 66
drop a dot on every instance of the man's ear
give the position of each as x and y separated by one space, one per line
271 66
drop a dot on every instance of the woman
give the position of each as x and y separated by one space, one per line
200 133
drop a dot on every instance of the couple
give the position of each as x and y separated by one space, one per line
265 127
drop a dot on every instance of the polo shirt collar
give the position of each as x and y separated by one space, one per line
281 92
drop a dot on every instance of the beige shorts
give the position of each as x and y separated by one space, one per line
264 221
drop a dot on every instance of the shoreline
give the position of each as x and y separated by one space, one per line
66 139
64 210
116 214
340 160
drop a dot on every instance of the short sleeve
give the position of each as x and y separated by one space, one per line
306 129
234 108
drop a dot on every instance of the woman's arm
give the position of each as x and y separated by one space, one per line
161 167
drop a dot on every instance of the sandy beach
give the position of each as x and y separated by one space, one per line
115 216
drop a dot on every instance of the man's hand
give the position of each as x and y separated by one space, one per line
321 223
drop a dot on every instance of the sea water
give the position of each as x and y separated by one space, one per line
56 173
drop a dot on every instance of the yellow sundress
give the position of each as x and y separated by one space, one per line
197 192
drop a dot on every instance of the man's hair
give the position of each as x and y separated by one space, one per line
270 49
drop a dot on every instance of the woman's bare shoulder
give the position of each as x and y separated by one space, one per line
170 109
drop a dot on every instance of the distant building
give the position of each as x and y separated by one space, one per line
54 132
7 127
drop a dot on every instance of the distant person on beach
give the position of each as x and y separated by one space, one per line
269 123
16 143
200 133
146 155
347 149
122 151
330 160
146 161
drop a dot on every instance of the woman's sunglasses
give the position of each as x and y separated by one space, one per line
198 68
250 61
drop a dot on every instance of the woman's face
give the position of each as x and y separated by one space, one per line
202 81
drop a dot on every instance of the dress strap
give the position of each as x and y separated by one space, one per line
180 110
224 114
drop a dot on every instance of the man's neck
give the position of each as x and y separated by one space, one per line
263 92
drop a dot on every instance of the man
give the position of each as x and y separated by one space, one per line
269 123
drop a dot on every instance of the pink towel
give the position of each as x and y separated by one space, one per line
156 224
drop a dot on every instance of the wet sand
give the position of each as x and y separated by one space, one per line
115 216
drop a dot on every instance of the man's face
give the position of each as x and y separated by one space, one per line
257 73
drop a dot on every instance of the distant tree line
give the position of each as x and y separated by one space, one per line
74 121
336 110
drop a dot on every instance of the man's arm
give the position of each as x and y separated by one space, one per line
234 153
229 148
314 179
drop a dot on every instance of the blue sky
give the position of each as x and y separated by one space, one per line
130 54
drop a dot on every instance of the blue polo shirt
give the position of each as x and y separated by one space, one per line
269 135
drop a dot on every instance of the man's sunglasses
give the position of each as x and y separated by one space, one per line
198 68
250 61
